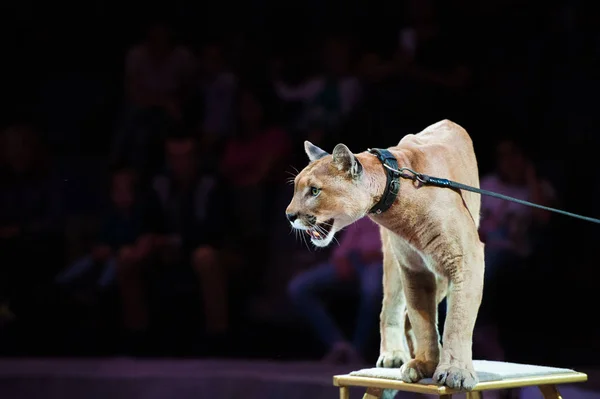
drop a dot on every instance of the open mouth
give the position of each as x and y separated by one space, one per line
321 230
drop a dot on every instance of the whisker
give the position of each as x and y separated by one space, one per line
294 173
320 229
306 242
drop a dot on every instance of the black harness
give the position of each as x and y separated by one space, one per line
392 185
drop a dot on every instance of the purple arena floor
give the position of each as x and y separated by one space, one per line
126 378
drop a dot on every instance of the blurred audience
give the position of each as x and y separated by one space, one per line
124 242
216 87
198 207
509 231
158 77
296 85
211 109
430 65
158 72
253 158
338 92
317 100
357 261
195 206
31 216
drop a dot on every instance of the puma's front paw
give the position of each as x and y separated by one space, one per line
392 359
415 370
455 377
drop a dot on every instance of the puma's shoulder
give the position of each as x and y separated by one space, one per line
444 149
444 134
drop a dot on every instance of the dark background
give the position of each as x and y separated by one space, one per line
533 74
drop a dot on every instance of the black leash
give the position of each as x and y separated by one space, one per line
383 156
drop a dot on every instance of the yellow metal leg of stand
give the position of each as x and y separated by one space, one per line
550 392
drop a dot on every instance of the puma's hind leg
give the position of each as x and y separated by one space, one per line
420 288
424 358
441 291
396 344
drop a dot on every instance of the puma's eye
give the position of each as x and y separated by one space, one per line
315 191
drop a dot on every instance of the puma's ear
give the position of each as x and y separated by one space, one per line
345 160
314 153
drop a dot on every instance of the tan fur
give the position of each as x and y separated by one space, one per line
430 245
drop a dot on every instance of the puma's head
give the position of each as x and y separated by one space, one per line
329 194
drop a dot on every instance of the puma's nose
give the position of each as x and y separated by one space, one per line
291 217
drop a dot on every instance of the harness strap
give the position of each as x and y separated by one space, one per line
392 185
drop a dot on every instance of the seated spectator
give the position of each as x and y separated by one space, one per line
424 52
295 85
372 69
128 227
509 231
31 218
158 78
216 91
158 71
340 90
316 103
358 258
253 158
378 111
197 227
432 71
